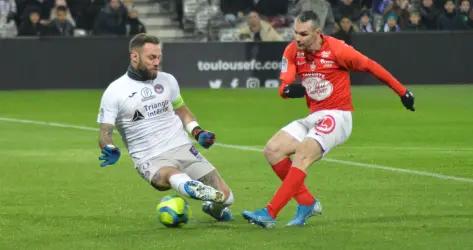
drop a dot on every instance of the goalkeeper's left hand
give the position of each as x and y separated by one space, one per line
203 137
408 100
110 155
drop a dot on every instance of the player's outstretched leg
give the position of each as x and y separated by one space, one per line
265 217
305 212
182 183
260 217
277 152
306 153
308 206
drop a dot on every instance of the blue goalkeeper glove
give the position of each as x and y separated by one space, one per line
110 155
408 100
203 137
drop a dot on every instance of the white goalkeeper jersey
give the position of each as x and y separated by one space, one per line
144 115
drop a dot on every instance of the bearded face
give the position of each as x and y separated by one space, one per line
146 60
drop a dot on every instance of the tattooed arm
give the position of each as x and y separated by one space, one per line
105 137
110 153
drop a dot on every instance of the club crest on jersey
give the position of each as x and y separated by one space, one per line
159 88
325 125
147 94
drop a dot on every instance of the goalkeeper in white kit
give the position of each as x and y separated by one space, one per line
146 107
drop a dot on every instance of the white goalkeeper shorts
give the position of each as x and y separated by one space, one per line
186 158
328 127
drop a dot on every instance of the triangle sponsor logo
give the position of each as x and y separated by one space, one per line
138 116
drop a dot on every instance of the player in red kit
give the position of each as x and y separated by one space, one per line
322 63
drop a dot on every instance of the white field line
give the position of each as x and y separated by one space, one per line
50 124
365 165
446 149
400 170
259 149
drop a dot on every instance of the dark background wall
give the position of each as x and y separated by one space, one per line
38 63
420 58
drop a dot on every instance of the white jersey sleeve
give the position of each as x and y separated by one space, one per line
175 91
108 107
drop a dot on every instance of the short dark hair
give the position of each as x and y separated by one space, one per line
139 40
309 15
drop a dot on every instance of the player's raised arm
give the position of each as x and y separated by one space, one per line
203 137
110 153
352 59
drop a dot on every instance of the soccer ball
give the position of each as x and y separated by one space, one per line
173 211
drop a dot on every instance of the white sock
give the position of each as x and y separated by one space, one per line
177 182
229 200
218 207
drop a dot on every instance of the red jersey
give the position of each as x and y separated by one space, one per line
325 73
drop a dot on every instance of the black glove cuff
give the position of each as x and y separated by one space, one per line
196 132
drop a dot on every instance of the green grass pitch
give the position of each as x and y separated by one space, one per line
404 180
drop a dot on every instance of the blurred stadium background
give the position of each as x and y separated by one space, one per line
403 180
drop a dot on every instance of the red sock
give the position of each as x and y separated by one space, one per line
291 184
303 195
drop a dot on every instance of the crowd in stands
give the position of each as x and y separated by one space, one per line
68 18
271 20
233 20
